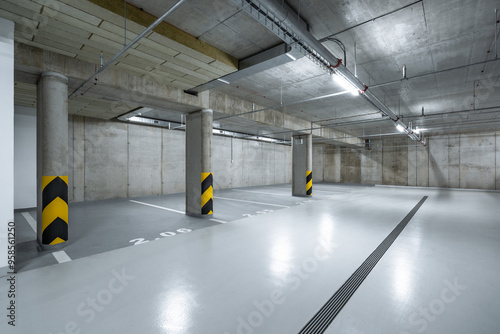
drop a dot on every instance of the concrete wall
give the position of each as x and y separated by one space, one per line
318 163
372 171
243 163
332 163
24 158
350 167
6 137
470 161
418 165
119 160
395 162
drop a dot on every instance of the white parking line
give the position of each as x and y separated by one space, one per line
61 256
31 221
219 221
260 192
330 191
240 200
158 207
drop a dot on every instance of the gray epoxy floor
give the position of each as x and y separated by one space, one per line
270 272
101 226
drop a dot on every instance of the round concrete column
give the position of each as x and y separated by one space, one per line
52 158
199 177
302 165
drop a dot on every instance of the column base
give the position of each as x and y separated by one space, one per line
199 215
52 248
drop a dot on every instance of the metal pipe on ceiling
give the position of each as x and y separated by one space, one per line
137 116
428 117
432 73
373 19
346 92
435 115
288 28
496 32
336 149
349 137
355 61
443 127
126 48
417 117
280 106
341 45
464 125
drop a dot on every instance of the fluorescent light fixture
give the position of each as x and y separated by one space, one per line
400 128
418 130
291 57
346 84
137 112
224 81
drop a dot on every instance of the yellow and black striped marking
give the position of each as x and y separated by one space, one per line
207 194
309 183
54 209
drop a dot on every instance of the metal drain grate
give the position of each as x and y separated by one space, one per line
320 322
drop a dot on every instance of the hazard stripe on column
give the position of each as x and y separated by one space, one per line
54 209
309 183
207 194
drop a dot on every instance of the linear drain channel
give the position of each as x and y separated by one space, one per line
320 322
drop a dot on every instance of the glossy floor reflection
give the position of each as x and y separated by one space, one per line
271 273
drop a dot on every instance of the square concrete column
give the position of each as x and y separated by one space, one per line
302 165
199 177
52 158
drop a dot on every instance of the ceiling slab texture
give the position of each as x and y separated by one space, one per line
447 47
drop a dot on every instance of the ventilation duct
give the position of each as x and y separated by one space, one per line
284 22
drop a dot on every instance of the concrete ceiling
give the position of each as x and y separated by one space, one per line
426 36
82 29
219 23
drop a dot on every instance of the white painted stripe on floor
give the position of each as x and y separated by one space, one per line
61 256
315 189
241 200
330 191
218 221
260 192
158 207
29 218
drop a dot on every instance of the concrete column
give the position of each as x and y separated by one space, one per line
302 165
52 158
199 177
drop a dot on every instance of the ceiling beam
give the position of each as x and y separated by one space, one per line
117 92
169 31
